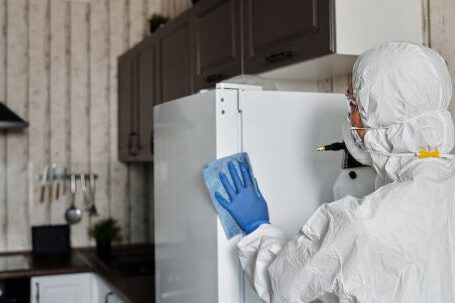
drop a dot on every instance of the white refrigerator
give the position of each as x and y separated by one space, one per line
195 263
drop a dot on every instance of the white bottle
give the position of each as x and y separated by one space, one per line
357 182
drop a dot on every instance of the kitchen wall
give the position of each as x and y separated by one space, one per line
58 71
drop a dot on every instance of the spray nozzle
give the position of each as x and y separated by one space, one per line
333 146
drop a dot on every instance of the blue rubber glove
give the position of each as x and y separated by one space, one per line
246 206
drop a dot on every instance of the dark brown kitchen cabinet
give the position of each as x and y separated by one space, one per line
277 33
215 40
216 43
125 105
137 95
174 66
147 98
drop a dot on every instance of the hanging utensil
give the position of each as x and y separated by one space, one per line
84 191
58 181
43 183
73 215
64 180
92 210
50 184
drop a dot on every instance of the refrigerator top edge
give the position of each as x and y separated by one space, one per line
237 86
241 88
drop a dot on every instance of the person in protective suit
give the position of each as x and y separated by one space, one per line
396 244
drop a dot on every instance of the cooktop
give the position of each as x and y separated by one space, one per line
14 263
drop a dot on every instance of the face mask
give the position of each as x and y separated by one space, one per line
357 148
355 145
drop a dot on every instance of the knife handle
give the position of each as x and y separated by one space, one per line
42 192
57 191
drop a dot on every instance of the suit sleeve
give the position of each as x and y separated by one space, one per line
256 252
303 268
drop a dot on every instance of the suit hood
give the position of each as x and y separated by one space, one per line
403 91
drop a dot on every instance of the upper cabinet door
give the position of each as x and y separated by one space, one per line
126 100
175 59
278 33
217 42
146 59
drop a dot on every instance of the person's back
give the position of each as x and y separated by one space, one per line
396 244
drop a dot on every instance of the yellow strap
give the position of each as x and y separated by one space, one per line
428 154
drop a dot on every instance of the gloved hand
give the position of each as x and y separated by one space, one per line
246 205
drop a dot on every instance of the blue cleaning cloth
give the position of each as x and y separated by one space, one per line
211 174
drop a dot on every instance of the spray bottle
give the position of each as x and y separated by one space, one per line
355 179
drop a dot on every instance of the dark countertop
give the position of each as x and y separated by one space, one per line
74 264
131 288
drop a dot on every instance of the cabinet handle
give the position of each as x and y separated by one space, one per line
106 298
130 143
37 292
279 56
215 78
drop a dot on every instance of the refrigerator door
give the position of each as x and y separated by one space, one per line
185 222
280 132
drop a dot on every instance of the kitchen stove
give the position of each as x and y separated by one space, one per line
14 263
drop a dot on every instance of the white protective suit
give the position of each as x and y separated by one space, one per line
398 243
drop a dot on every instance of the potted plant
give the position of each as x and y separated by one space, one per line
105 231
157 21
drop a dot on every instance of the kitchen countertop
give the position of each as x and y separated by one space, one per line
131 288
